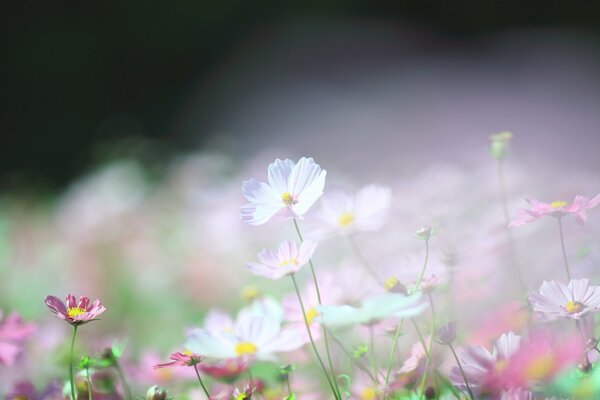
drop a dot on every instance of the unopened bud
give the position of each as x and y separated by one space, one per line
430 392
447 333
424 232
156 393
585 366
499 145
393 285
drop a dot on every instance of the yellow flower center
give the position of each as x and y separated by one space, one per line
291 261
573 307
288 199
391 283
558 204
187 353
368 393
250 293
346 219
241 396
501 365
72 312
540 367
245 348
311 314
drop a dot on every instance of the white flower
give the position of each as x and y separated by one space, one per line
291 191
346 214
372 309
286 260
574 300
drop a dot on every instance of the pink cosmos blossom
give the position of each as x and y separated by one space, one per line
25 390
13 332
182 359
291 191
75 313
227 368
574 300
286 260
556 209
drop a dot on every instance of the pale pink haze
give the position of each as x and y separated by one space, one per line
347 214
291 190
13 333
73 312
578 207
286 260
555 299
181 359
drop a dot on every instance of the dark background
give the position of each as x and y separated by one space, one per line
85 80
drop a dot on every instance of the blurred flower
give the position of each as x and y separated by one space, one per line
291 191
499 143
393 285
156 393
568 301
556 209
182 359
447 334
13 332
416 361
286 260
372 309
253 337
346 214
75 313
226 368
245 393
26 391
427 285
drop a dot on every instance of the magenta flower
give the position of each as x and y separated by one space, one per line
182 359
556 209
75 313
286 260
13 332
574 300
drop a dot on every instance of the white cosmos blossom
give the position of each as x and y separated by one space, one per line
291 191
346 214
372 309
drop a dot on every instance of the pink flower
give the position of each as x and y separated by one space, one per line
286 260
75 313
182 359
556 209
574 300
13 333
225 368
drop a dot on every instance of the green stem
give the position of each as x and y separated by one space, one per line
123 380
289 386
424 266
391 359
352 360
89 383
202 383
462 371
428 360
363 260
312 342
325 338
564 251
373 357
71 379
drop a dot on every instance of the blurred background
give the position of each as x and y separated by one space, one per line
128 127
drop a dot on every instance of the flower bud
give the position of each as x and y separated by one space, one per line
393 285
499 145
447 333
156 393
585 366
430 393
424 232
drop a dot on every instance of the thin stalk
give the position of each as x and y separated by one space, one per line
391 358
123 380
71 379
363 260
325 338
201 383
312 342
564 251
347 354
424 265
289 386
428 360
89 383
373 357
462 371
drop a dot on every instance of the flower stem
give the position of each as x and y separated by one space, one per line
428 360
462 371
391 359
312 342
123 380
71 379
564 251
363 260
325 338
352 360
89 383
201 383
287 382
424 266
373 357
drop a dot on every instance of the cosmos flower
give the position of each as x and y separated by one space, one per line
371 310
286 260
483 369
182 359
253 337
25 390
346 214
75 313
13 332
226 368
574 300
446 334
556 209
291 191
